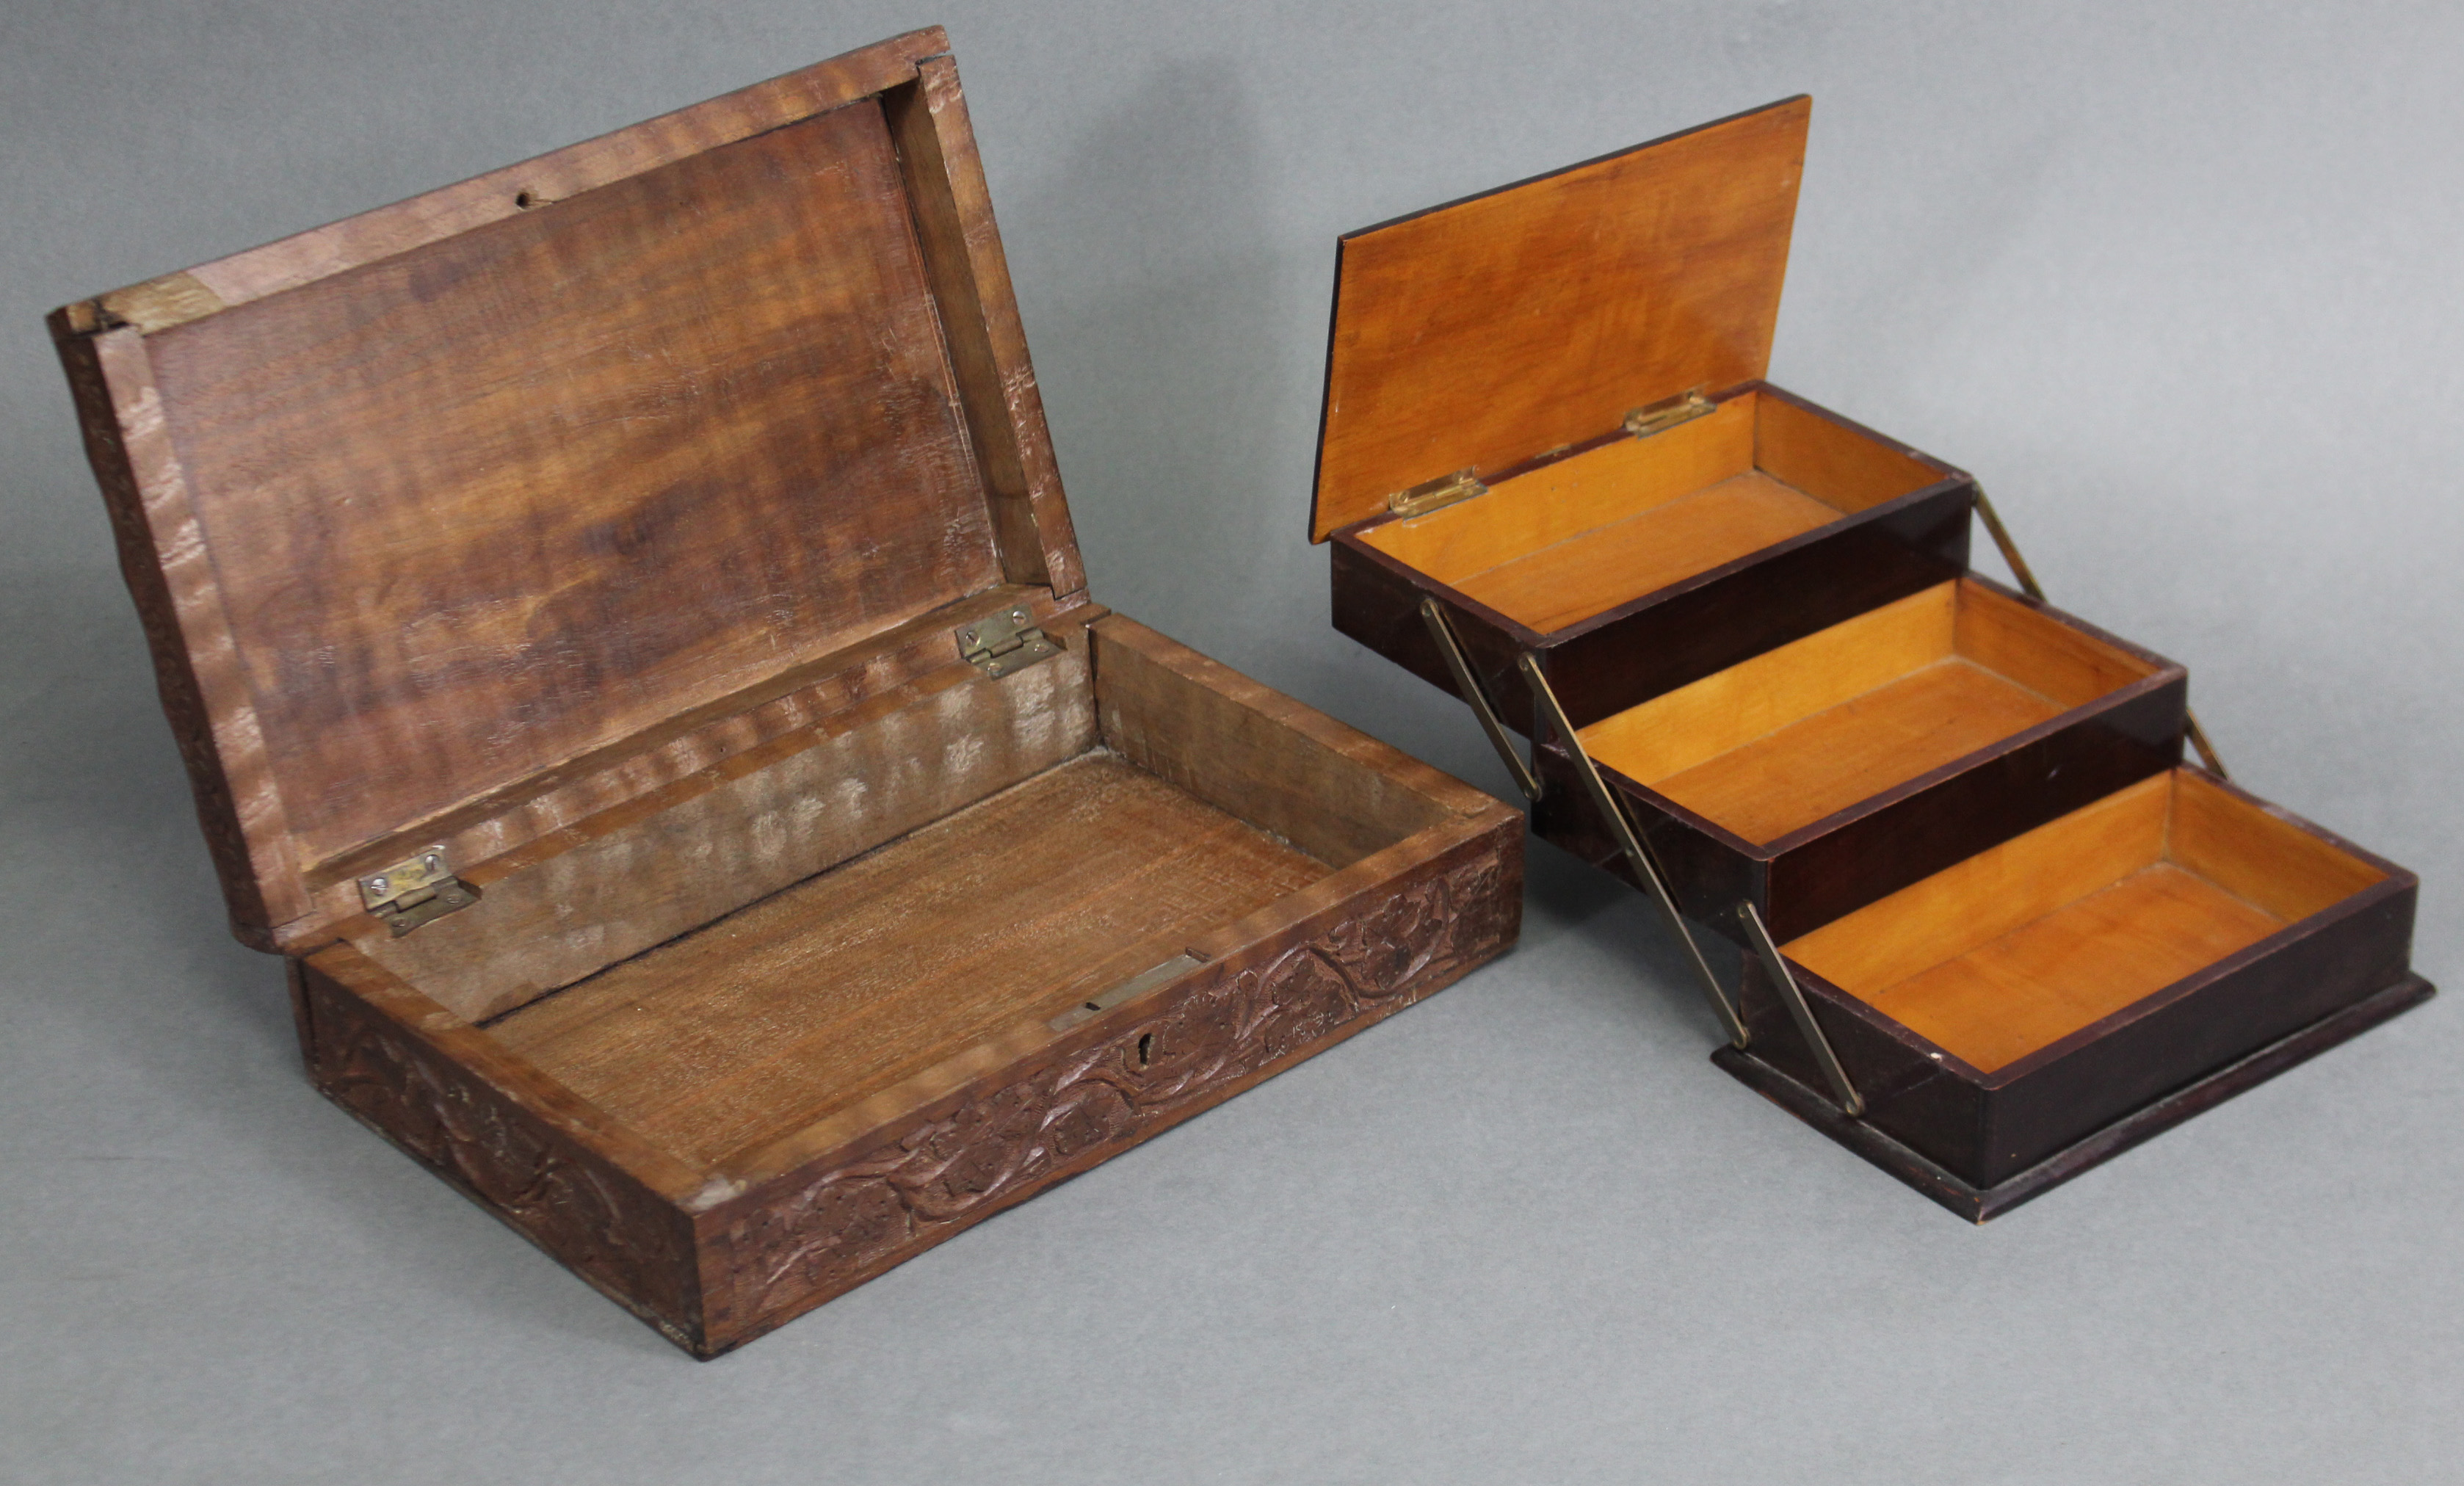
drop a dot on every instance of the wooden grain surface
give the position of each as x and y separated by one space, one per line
1603 568
853 980
1586 532
1485 333
1817 725
433 216
454 498
669 860
1825 763
1244 747
1568 496
2086 960
2033 940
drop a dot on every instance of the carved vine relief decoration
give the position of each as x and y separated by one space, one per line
859 1218
469 1134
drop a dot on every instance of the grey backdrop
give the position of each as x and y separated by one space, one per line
2178 281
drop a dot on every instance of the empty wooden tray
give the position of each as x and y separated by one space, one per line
1821 774
631 652
2054 1000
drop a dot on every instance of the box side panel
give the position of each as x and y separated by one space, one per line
413 1074
1946 820
1929 1104
1122 1077
1708 875
2107 1070
1330 790
1377 603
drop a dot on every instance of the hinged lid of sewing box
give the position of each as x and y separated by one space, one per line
1452 352
487 494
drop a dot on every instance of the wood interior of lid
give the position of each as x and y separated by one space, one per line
2035 939
1819 725
1483 333
458 499
1588 532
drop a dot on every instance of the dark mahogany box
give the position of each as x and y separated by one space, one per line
1996 931
624 627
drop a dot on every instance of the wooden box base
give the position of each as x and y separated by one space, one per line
740 1124
1981 1204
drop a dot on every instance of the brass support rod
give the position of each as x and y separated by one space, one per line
1792 996
2029 585
1433 615
1621 831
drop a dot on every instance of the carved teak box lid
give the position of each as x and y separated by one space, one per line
1481 335
454 517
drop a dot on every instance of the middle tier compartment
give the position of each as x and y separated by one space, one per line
1834 770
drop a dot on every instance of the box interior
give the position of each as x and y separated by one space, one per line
1811 728
1582 535
2024 944
1181 815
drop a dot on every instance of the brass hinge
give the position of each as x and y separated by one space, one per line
1435 494
1667 413
1000 644
416 890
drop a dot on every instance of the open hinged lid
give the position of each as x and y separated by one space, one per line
505 489
1481 335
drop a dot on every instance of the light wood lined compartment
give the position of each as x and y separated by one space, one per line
1585 533
1817 725
2033 940
853 980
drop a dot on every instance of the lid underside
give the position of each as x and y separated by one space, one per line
1481 335
477 509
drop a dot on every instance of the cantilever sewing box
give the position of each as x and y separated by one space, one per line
629 645
1993 930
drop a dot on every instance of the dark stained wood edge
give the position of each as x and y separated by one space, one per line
196 665
1026 1123
590 1193
1980 1204
980 322
365 238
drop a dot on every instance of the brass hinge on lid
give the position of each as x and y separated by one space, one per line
1668 412
1435 494
1000 643
416 890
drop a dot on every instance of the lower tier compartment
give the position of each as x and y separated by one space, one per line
2038 1006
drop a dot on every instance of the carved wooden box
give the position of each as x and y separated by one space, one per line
1995 931
624 627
